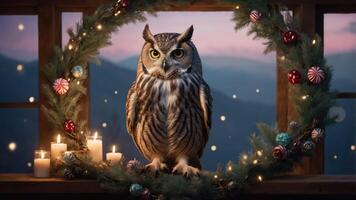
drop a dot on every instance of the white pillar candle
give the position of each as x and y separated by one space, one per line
57 149
113 157
95 146
41 164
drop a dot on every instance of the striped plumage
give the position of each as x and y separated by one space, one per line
168 107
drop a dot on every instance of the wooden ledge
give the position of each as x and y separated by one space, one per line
15 185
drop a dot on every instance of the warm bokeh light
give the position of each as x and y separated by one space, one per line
31 99
12 146
353 147
259 178
19 67
99 27
213 147
259 153
21 27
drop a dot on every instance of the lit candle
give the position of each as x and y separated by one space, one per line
113 157
41 164
58 148
95 146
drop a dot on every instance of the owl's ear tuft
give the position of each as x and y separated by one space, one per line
147 35
186 36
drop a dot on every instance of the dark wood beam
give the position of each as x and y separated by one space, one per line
19 105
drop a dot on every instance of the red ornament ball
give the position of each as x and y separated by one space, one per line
290 37
124 3
61 86
255 16
279 152
316 75
69 126
294 77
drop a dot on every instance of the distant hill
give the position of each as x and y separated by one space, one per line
234 75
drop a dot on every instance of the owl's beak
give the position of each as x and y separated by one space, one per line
164 66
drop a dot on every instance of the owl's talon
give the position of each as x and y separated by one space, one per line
156 166
186 170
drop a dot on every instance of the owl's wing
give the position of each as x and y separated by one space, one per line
206 101
131 109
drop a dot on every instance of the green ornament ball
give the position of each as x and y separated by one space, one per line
77 71
283 139
136 189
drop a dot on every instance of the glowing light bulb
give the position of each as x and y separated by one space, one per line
21 26
213 147
283 57
229 168
234 96
257 90
19 67
237 7
104 124
99 27
259 153
222 118
105 100
29 164
335 157
353 147
259 178
78 82
12 146
216 176
255 162
313 41
244 157
70 46
305 97
115 92
84 34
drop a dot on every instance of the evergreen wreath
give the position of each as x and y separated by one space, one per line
274 152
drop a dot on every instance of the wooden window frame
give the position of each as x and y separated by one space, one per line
311 13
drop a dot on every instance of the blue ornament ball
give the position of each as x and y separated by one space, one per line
136 189
283 139
77 71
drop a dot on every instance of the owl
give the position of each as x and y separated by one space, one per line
168 107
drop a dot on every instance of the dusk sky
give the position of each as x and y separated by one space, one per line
214 35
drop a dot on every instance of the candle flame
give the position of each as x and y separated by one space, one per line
95 135
58 138
42 154
113 148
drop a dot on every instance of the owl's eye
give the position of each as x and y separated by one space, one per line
178 53
154 54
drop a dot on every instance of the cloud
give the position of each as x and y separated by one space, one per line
351 27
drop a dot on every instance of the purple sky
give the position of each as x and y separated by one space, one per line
213 35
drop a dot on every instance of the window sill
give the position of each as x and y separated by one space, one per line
12 185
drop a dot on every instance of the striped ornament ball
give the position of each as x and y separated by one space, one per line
316 75
255 16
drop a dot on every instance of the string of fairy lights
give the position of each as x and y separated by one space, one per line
12 146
